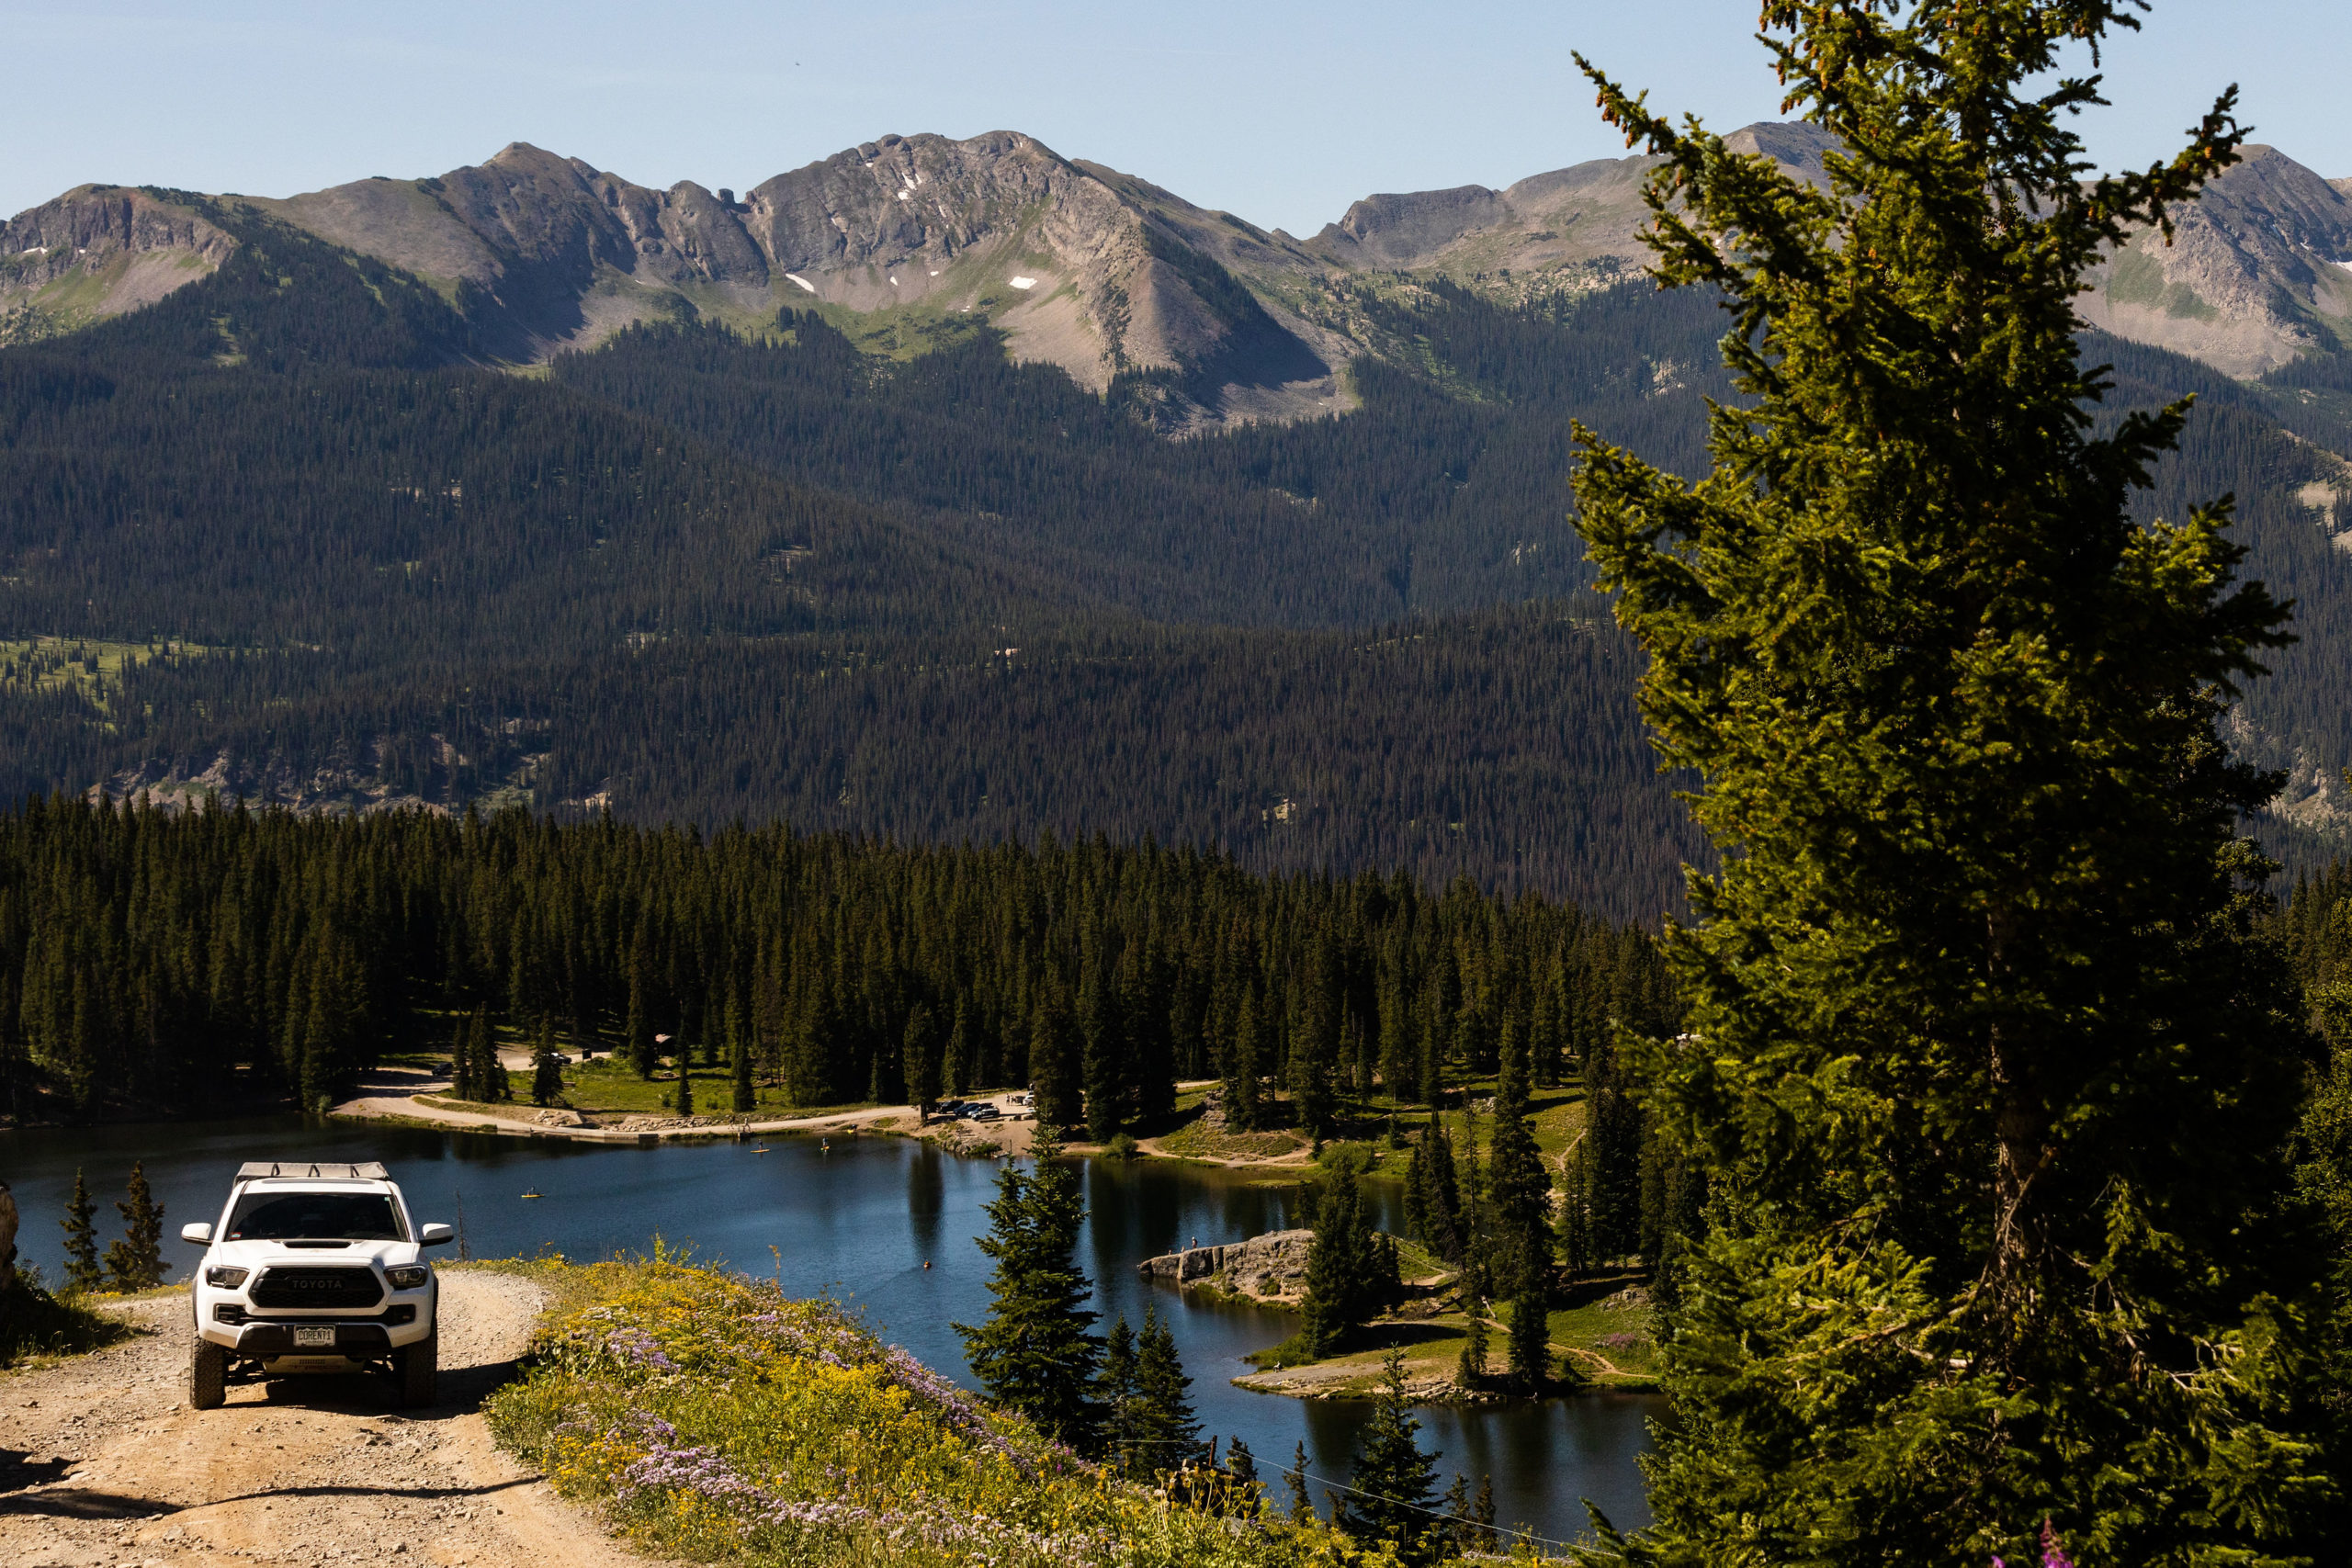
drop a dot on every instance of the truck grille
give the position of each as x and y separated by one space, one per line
317 1288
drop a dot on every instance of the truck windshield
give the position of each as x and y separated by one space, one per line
314 1216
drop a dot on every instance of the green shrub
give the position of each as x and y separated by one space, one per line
34 1322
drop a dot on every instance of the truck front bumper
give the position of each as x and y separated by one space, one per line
355 1338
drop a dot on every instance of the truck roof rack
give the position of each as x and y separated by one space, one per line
312 1170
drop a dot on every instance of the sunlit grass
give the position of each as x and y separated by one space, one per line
710 1417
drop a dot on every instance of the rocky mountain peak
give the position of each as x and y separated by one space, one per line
96 252
1088 268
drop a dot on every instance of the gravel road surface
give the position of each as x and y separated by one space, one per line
102 1462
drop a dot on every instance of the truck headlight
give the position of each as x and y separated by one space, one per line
408 1275
225 1276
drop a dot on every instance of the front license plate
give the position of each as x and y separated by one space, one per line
314 1339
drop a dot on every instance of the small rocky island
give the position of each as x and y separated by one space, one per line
1269 1267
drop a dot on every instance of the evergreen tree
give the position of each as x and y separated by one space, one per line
685 1080
1314 1049
955 1066
1104 1056
1393 1476
1169 1431
1243 1491
1482 1516
1520 1187
2323 1175
463 1083
1989 1088
1470 1368
497 1083
1477 1233
1343 1279
1035 1354
81 1238
547 1072
1301 1508
1432 1172
1053 1061
636 1026
1531 1340
136 1261
1245 1067
1460 1530
1118 1399
1615 1134
920 1053
746 1094
1575 1214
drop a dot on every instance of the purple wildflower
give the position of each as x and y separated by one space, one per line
2053 1554
636 1347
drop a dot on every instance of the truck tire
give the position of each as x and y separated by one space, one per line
208 1376
420 1370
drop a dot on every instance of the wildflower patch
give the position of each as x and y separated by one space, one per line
709 1416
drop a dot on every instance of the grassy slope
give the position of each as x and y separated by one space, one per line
35 1326
710 1418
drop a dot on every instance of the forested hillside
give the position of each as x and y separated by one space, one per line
1445 492
277 537
148 959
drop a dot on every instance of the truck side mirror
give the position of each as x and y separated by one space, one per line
199 1233
436 1235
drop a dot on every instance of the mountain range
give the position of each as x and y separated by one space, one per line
854 501
1097 272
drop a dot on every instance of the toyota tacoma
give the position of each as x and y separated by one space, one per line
315 1268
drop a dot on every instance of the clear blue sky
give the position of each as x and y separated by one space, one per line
1280 112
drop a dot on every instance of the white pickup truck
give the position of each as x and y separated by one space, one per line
314 1268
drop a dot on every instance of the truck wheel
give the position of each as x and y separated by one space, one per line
208 1376
420 1370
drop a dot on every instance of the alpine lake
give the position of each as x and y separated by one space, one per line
859 1218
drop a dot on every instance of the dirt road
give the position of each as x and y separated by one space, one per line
102 1462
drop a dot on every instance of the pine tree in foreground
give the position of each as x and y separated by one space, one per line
1244 1493
1168 1431
1393 1477
1116 1396
81 1238
136 1261
1301 1508
1988 1085
1459 1532
1034 1353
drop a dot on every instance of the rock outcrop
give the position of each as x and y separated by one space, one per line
1079 266
98 250
2258 272
1269 1267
